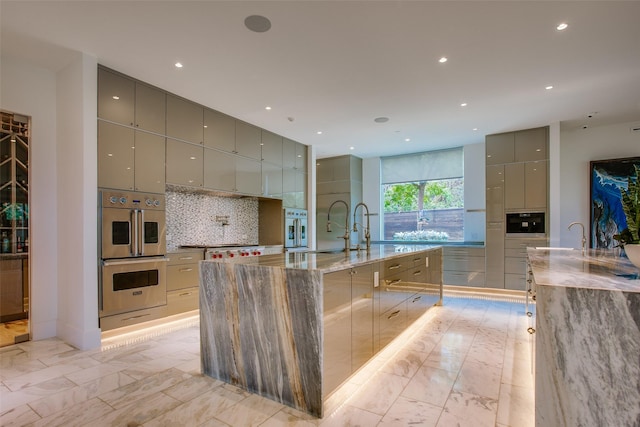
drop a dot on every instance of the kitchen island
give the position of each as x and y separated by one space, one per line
293 327
587 338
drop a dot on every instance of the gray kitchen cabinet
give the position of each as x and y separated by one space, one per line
361 315
219 170
116 97
248 140
531 144
294 155
229 172
183 281
337 329
514 186
463 266
515 260
248 176
526 185
184 163
294 186
150 109
272 148
219 131
129 159
500 148
185 120
271 180
495 181
494 255
130 103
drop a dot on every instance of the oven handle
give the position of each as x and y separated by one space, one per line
141 237
134 240
134 261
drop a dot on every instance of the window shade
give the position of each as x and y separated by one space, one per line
427 166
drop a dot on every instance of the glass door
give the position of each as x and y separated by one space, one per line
14 228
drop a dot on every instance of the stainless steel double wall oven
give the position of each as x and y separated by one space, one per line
132 246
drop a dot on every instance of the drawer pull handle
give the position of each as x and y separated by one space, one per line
185 258
417 272
185 270
531 331
394 314
416 299
529 314
416 259
184 294
395 282
394 267
135 317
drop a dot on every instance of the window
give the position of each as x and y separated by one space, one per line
423 196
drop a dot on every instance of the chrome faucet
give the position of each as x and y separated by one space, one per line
584 239
367 230
347 229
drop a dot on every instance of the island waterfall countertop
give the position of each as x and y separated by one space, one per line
587 338
281 325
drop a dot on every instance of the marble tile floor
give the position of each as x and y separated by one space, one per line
466 363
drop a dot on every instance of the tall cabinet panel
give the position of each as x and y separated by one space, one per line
535 178
116 97
150 108
495 193
149 162
337 329
184 120
219 131
184 163
361 316
115 156
514 189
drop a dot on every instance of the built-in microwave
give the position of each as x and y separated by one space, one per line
527 222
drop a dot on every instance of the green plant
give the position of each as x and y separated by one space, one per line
631 206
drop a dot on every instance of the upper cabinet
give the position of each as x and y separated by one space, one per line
129 159
219 130
184 120
184 163
271 148
294 155
130 103
521 146
248 140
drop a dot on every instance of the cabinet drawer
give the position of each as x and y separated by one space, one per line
182 276
182 300
393 290
392 323
463 251
462 263
418 304
395 265
185 257
516 252
418 274
524 243
132 318
462 278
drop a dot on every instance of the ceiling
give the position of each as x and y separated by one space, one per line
335 66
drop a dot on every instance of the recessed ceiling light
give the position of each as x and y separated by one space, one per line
116 97
549 87
562 26
464 104
178 65
267 108
257 23
381 119
407 139
319 132
443 60
352 148
192 158
474 129
205 126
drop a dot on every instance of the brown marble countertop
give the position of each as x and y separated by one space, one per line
597 269
330 261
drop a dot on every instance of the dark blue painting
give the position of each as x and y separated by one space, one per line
607 217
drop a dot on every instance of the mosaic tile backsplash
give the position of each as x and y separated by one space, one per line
203 219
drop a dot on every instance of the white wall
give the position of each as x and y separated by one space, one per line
63 194
31 91
577 149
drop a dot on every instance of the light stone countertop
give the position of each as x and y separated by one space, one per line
328 262
597 269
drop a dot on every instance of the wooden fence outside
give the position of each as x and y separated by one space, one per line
449 221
